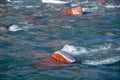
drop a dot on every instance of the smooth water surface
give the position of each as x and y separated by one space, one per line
93 38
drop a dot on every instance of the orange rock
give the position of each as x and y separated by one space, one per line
73 11
57 59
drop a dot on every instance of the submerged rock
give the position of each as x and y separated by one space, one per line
58 58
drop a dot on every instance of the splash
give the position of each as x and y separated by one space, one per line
82 50
15 27
74 50
101 62
90 56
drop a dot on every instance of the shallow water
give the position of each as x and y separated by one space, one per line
93 38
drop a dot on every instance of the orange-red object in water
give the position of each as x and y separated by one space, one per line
73 11
57 59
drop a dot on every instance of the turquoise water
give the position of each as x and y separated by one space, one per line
93 38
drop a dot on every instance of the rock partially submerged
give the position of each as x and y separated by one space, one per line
58 58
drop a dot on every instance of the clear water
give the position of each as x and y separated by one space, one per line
93 38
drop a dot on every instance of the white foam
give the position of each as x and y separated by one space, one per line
118 48
68 26
70 49
14 1
101 62
28 27
54 1
90 9
8 0
14 28
112 6
30 6
91 55
82 50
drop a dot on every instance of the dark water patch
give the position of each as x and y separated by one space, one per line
5 44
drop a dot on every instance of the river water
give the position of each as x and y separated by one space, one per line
93 39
